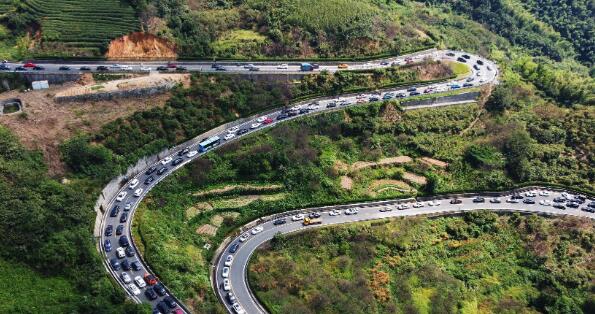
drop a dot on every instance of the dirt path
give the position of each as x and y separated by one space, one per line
359 165
434 162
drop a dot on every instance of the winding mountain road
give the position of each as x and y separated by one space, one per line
482 72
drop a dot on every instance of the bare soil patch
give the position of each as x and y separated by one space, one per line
414 178
433 70
359 165
46 124
141 46
207 229
230 187
346 182
379 186
433 162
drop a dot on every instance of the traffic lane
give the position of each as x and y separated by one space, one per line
243 254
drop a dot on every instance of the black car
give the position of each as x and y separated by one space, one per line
64 68
160 289
529 201
177 161
242 131
466 57
591 204
124 217
461 59
479 62
184 151
479 200
303 111
20 68
315 65
130 252
220 68
161 171
109 230
314 215
84 68
181 69
115 211
149 180
331 105
161 68
467 84
572 205
279 221
414 93
102 68
38 68
150 294
476 67
151 170
559 200
125 265
412 89
170 301
579 200
373 99
162 307
119 229
135 265
234 248
231 298
450 54
559 206
115 264
282 116
123 241
517 197
456 201
4 67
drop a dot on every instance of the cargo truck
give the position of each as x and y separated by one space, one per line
312 221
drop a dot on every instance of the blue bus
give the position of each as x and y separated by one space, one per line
208 143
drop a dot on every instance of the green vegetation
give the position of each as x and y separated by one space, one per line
81 28
48 260
480 262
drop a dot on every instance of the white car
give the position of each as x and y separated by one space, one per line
226 285
249 66
126 278
530 194
144 68
418 205
238 308
351 211
566 195
228 260
229 136
225 272
191 153
255 125
244 237
545 202
121 196
257 230
133 184
166 160
138 192
405 206
512 201
261 119
128 206
283 66
385 209
120 252
434 203
334 212
544 193
134 289
298 217
140 282
233 129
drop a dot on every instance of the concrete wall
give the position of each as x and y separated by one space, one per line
466 97
52 78
140 92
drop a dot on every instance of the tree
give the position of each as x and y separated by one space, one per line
501 99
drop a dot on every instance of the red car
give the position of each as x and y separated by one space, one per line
29 65
150 279
267 121
178 311
172 65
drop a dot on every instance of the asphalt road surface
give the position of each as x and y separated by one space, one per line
486 73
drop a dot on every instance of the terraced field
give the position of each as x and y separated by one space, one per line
77 27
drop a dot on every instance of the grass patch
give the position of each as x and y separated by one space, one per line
459 69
